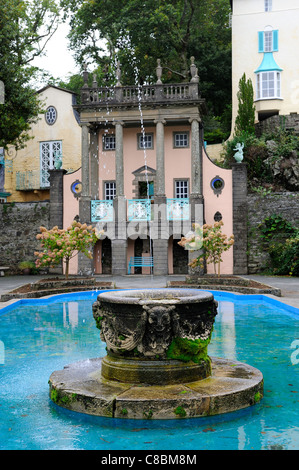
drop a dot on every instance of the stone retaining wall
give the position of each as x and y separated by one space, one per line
289 122
259 207
19 224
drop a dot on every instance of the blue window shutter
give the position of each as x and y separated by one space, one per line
275 40
261 41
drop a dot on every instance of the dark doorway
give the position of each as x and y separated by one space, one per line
106 256
180 258
145 190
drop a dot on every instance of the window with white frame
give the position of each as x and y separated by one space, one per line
110 190
181 189
268 85
181 140
48 152
51 115
268 5
109 142
145 141
268 40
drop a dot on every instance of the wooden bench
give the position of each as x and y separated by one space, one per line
3 269
140 262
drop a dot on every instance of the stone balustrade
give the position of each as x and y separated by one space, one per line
139 94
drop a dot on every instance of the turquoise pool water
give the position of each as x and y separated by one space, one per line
38 337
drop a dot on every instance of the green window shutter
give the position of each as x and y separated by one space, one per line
261 41
275 40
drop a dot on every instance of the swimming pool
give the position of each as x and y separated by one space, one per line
43 335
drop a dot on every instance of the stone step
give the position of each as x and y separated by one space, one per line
230 288
53 283
62 290
214 280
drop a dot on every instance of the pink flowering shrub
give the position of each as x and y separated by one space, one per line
60 245
212 243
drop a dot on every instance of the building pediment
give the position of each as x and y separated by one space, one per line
143 170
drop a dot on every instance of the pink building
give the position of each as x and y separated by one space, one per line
145 178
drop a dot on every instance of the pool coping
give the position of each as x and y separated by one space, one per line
224 295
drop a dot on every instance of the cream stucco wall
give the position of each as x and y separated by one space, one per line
248 18
66 129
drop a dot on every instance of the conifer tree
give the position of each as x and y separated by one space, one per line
246 109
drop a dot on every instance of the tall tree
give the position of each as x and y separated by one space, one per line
25 28
246 109
137 33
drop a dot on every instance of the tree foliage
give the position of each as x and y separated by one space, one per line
25 28
138 33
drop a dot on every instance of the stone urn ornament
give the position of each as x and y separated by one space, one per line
239 152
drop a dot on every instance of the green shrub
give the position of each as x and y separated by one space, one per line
281 239
285 257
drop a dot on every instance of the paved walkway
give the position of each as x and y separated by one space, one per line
289 286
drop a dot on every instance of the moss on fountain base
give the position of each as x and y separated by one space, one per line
151 372
185 350
232 386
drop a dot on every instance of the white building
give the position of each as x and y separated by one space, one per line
265 45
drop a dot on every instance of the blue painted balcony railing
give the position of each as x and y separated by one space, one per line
139 210
102 211
178 209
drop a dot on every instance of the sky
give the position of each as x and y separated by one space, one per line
58 60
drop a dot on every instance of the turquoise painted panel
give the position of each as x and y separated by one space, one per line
139 210
275 40
261 41
268 64
178 209
101 211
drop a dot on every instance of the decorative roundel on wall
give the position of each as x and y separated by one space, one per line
217 184
217 216
76 188
51 115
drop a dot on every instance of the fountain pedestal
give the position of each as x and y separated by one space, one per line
156 337
157 364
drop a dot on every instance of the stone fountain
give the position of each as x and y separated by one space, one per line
157 364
